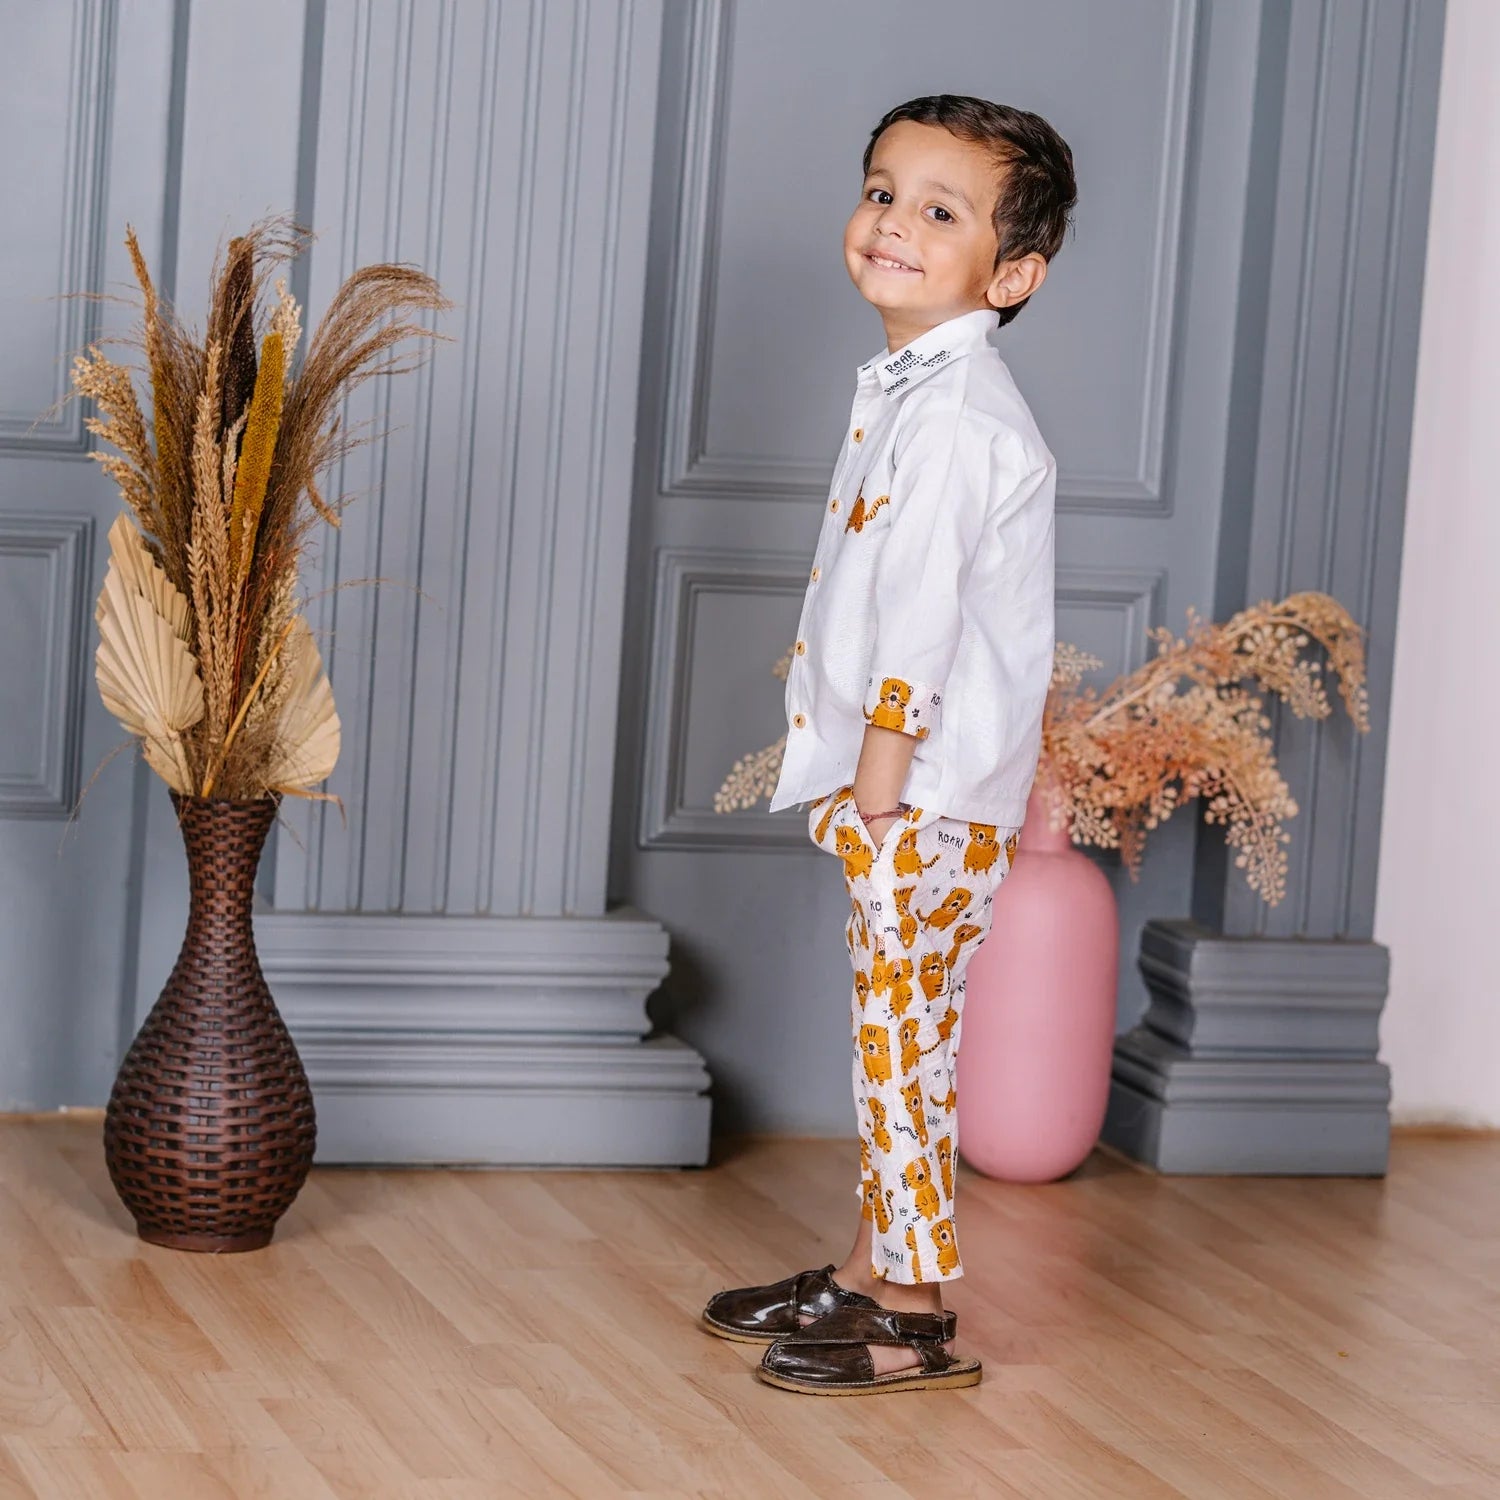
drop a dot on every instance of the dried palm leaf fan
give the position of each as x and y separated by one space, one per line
206 658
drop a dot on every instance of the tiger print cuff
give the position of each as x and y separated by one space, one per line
911 707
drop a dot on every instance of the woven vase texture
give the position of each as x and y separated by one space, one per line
210 1129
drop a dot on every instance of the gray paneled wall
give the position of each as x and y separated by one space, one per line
1258 1052
753 333
82 107
445 958
1317 485
593 507
503 148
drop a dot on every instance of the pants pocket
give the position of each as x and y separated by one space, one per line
827 815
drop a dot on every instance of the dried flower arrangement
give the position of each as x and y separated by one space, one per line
204 654
1116 762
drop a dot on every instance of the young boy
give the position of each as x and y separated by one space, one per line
915 703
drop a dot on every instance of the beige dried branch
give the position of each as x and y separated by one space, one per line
1115 763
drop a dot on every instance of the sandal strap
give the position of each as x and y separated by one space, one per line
809 1287
808 1284
924 1332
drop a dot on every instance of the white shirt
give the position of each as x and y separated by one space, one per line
929 608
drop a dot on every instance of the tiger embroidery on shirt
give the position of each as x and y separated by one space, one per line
894 697
859 514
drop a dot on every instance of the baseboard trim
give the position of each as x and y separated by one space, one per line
435 1040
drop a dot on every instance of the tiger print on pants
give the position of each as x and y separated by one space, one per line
920 904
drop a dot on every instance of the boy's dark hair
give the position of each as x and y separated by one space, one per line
1037 188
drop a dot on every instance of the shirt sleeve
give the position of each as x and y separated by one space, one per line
952 482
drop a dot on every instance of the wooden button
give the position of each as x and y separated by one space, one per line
815 573
833 504
798 720
801 648
859 434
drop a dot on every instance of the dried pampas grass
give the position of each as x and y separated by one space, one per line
204 655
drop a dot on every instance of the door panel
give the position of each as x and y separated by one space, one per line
1124 356
86 86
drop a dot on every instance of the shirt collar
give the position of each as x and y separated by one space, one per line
931 351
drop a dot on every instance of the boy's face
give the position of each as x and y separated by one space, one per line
921 245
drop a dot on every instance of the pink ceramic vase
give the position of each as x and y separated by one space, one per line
1038 1027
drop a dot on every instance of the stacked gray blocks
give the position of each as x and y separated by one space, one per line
1256 1055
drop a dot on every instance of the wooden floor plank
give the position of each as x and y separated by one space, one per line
463 1335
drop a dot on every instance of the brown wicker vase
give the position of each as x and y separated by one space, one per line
210 1129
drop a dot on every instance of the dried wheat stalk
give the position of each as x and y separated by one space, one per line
221 491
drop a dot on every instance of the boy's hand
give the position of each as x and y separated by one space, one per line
884 758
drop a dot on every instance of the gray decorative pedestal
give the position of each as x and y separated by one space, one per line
1255 1055
1257 1052
518 1041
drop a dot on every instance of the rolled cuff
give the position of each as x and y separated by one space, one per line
905 704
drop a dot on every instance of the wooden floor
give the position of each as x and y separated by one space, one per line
458 1335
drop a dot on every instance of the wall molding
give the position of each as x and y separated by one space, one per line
60 430
1315 497
62 545
1134 594
504 1040
506 149
683 575
686 465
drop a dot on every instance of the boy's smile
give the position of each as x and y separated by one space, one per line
921 246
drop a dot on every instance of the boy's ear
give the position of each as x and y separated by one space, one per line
1015 280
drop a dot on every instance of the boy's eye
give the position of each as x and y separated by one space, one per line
879 195
942 215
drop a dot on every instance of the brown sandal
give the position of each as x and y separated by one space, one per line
762 1314
829 1357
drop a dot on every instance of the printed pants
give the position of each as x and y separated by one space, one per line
920 905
